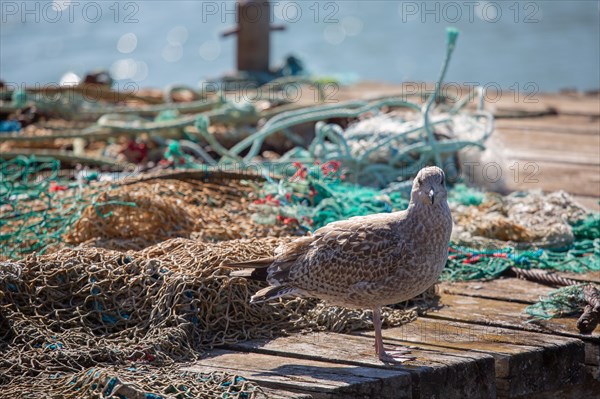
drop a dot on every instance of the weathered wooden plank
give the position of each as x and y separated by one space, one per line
573 103
504 314
507 289
536 155
566 124
437 372
510 315
550 126
317 378
554 176
576 104
279 394
525 362
562 103
569 142
511 289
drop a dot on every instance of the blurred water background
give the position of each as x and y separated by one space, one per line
548 44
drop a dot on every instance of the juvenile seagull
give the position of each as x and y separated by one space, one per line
365 261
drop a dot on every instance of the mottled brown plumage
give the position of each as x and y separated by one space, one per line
366 261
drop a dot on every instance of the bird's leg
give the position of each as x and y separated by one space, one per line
378 337
392 356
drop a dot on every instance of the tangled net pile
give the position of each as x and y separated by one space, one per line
137 215
65 312
33 212
39 212
316 196
525 219
137 382
549 232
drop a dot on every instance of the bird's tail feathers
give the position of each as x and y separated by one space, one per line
253 264
259 274
273 292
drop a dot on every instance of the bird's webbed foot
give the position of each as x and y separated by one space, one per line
395 355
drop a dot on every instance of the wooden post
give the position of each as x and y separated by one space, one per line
253 35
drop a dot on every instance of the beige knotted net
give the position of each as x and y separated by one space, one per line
123 312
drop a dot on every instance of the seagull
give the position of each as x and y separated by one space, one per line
365 262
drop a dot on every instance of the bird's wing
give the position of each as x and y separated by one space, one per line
342 254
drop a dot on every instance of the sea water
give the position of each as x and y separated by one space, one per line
525 45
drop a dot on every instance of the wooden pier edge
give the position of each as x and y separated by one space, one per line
478 344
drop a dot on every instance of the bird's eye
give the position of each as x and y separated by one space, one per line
420 181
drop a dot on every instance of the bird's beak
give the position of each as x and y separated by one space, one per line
431 196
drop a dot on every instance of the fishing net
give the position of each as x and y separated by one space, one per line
41 211
33 212
84 307
525 219
317 195
137 382
138 215
562 302
543 231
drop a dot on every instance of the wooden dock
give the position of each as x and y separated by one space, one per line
478 343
